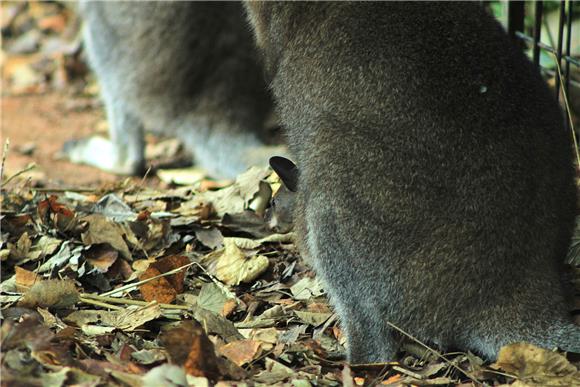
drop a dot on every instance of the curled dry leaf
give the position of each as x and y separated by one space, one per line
50 210
233 199
133 317
232 266
182 176
307 288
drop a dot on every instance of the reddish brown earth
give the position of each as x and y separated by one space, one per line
46 122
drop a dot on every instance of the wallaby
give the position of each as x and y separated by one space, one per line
189 69
435 181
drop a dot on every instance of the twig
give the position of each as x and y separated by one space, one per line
4 153
135 284
126 301
28 168
471 377
491 371
147 172
407 372
101 304
64 189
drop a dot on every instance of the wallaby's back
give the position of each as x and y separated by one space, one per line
436 183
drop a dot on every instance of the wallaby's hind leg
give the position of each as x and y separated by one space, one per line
382 348
122 153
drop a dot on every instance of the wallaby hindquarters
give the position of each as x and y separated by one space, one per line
436 185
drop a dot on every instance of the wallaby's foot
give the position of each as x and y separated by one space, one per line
104 154
231 158
260 155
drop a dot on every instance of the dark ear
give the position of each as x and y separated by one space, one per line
287 171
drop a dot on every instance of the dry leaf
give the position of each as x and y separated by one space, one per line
24 279
101 256
133 317
165 375
242 351
536 366
233 199
19 251
232 266
189 347
212 298
172 262
51 294
127 319
103 230
306 289
159 289
314 319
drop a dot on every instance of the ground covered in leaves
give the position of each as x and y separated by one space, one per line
134 282
189 286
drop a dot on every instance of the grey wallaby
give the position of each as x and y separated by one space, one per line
188 69
435 184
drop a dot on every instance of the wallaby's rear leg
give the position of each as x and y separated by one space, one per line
123 153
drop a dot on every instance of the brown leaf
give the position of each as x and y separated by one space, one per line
101 256
102 230
50 210
173 262
189 346
159 289
537 366
242 351
24 278
229 307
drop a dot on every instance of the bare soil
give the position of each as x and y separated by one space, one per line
38 126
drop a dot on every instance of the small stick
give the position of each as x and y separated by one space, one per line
101 304
64 189
4 153
135 284
126 301
28 168
471 377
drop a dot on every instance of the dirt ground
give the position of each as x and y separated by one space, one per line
37 126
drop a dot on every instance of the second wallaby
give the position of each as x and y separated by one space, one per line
435 189
183 68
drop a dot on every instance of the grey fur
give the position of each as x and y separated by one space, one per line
184 68
436 187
